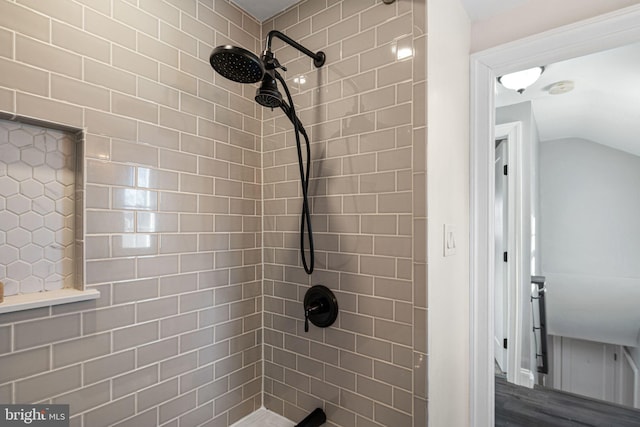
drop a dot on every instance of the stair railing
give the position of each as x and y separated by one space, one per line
540 330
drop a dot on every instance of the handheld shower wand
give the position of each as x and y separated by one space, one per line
243 66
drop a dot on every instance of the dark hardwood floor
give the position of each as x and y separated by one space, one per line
519 406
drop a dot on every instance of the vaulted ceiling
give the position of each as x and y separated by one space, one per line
603 107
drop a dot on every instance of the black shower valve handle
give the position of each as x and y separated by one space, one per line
314 308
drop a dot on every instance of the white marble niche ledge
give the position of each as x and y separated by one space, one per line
45 299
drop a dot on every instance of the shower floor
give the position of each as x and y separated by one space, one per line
264 418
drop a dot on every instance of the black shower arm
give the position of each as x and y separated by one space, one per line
318 58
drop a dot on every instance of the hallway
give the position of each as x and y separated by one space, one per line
519 406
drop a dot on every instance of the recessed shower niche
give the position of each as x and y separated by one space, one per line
40 216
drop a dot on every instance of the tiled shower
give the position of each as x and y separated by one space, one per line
191 213
38 195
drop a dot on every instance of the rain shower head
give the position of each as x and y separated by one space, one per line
237 64
268 94
243 66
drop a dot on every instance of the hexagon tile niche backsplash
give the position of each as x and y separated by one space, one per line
37 199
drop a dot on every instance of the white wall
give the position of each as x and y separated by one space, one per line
590 236
590 240
448 203
590 201
587 368
536 16
523 112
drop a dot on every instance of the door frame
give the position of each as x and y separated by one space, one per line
501 272
603 32
516 193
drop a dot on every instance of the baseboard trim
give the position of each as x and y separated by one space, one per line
526 378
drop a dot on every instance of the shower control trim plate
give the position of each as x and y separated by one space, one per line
320 307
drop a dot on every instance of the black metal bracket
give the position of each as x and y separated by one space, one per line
318 57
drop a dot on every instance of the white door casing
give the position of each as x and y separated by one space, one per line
603 32
514 246
501 230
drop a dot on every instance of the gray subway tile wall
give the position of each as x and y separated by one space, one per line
173 170
192 213
368 212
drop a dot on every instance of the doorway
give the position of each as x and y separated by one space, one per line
601 33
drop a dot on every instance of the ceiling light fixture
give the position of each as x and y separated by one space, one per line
520 80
